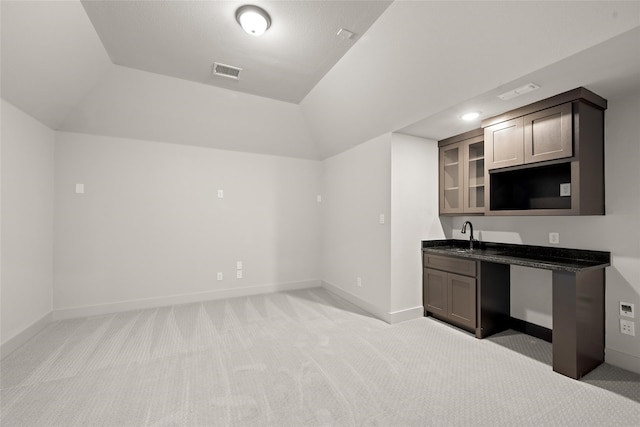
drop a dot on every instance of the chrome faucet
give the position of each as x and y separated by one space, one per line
464 231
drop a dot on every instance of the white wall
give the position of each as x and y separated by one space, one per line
130 103
150 229
618 232
395 175
414 216
356 190
27 222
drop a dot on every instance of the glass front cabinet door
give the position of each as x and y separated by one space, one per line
474 176
451 194
462 174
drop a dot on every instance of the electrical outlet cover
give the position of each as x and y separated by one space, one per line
627 327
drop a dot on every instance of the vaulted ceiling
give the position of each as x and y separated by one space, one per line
142 69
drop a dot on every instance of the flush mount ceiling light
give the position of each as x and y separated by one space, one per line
470 116
253 19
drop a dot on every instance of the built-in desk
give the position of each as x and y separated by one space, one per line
578 295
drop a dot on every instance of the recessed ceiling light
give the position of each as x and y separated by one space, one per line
253 19
470 116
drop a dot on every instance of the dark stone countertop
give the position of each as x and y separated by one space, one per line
548 258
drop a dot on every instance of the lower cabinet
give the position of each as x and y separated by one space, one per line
449 290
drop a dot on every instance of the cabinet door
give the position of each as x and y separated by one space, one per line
451 179
548 134
474 176
504 144
434 291
461 299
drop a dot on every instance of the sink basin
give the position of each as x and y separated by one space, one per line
464 251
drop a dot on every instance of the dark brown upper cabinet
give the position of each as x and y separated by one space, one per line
547 158
537 137
505 144
548 134
462 174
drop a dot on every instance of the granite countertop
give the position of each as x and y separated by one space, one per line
548 258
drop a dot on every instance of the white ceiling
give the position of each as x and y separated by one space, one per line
184 38
416 68
51 57
610 69
423 57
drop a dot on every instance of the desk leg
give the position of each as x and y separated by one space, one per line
493 290
578 321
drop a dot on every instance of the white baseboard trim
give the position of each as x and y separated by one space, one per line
406 314
622 360
22 337
141 304
357 301
387 316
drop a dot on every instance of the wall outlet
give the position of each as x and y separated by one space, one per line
627 327
239 274
79 188
319 198
239 265
554 238
565 190
359 282
627 309
219 276
381 219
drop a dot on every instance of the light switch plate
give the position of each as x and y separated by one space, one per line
239 265
220 194
627 309
79 188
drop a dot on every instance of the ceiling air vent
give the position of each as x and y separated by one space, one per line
226 71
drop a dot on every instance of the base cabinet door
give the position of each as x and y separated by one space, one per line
435 291
461 299
448 296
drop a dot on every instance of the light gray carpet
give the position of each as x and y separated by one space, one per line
303 358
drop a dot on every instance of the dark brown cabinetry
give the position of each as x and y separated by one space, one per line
548 134
505 144
541 136
449 289
547 158
462 174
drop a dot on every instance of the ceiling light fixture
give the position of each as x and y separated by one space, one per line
253 19
470 116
